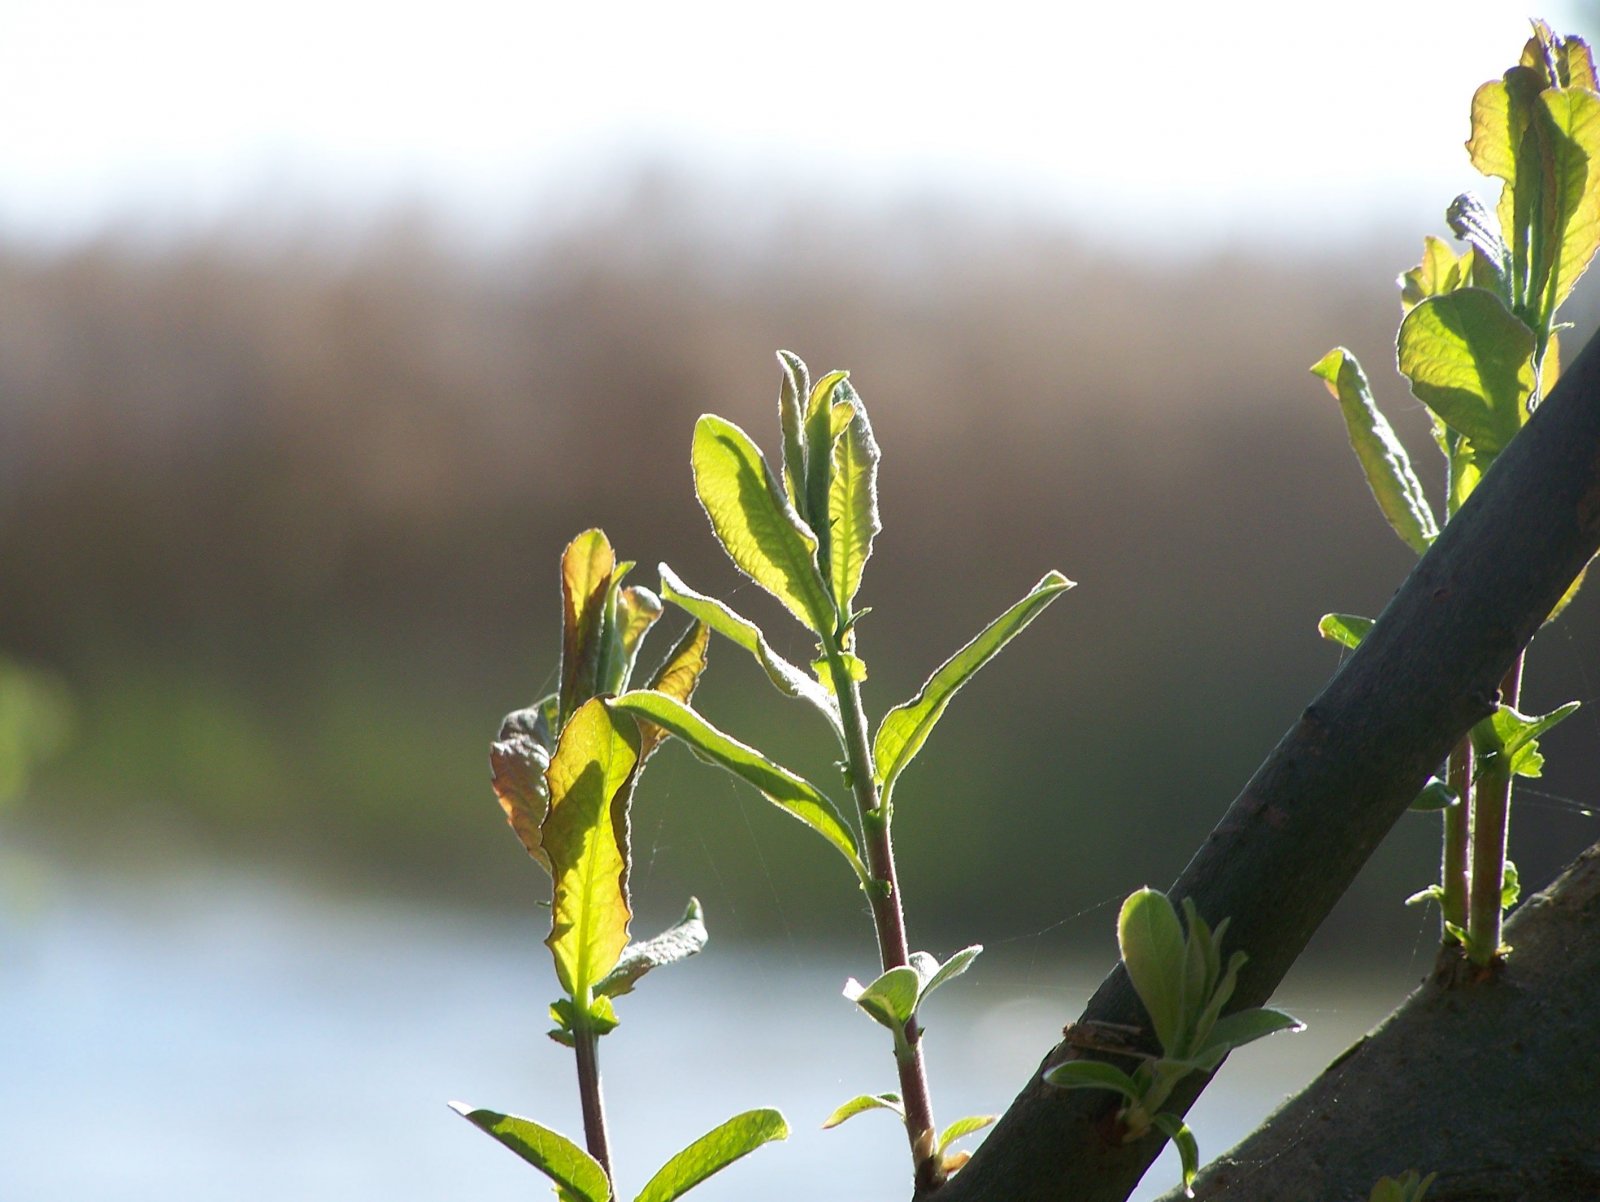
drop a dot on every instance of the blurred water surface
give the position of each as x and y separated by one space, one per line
226 1035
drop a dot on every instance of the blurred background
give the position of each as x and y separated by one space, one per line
323 328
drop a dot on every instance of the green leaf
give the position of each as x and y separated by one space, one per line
678 942
866 1102
1348 630
854 667
589 914
1246 1026
794 387
713 1152
1510 886
1515 735
1092 1074
1151 941
818 433
790 680
1571 122
791 793
962 1128
1433 893
752 518
1440 271
636 610
905 728
517 763
587 566
852 501
1383 460
1210 1016
890 1000
678 676
1471 362
951 969
553 1154
1435 795
1174 1129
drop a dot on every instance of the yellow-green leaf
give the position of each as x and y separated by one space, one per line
905 728
592 765
637 609
713 1152
586 569
852 499
1439 272
575 1173
1152 945
678 676
755 523
1471 362
787 677
1383 459
793 794
1572 217
818 434
793 388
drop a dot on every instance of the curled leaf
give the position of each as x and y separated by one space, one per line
683 939
862 1104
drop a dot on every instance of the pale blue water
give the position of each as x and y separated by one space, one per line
219 1037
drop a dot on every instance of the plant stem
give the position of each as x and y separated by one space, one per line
1453 870
585 1042
888 918
1491 811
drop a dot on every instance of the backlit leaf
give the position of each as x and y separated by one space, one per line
571 1168
1246 1026
1174 1129
951 969
862 1104
678 676
794 387
962 1128
1471 362
790 680
1572 216
890 1000
678 942
1092 1074
818 433
1440 271
791 793
1383 460
852 500
589 915
586 569
1348 630
517 763
752 518
637 610
713 1152
1152 946
905 728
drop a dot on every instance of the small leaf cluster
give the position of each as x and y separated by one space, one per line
1479 344
564 770
1182 982
804 533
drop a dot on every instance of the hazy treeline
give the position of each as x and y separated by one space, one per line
284 514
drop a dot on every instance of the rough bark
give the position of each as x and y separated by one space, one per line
1492 1085
1294 839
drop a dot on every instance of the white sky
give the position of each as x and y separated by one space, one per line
1237 117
